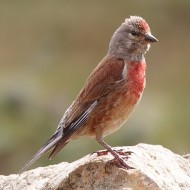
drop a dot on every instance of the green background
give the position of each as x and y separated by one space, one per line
47 50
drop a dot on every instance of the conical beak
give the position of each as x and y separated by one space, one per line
150 38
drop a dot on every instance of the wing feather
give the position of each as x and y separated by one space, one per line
70 130
105 78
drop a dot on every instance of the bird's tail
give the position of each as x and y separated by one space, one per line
52 142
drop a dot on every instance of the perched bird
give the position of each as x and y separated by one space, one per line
110 93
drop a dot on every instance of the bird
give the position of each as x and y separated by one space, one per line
110 94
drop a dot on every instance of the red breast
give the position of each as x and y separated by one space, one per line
136 79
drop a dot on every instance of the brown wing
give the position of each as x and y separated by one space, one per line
105 77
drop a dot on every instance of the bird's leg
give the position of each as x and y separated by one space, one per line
117 158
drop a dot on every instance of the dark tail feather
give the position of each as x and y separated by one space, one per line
71 129
57 140
57 148
47 146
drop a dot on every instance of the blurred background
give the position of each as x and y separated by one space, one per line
47 50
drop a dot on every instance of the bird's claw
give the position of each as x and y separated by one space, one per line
117 160
120 152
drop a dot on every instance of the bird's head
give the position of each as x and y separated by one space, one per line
132 37
138 30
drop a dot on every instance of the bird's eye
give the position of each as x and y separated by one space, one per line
134 33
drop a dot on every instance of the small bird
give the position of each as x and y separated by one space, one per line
110 93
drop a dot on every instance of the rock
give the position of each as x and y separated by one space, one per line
155 168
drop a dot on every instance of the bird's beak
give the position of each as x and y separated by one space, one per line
150 38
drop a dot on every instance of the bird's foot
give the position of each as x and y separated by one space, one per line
117 159
120 152
123 152
102 152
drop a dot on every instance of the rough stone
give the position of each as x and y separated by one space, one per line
155 168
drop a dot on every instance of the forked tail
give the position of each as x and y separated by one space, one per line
62 135
45 148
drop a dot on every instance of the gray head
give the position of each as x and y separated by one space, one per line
132 39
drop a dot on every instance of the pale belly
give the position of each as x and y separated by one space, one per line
120 114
